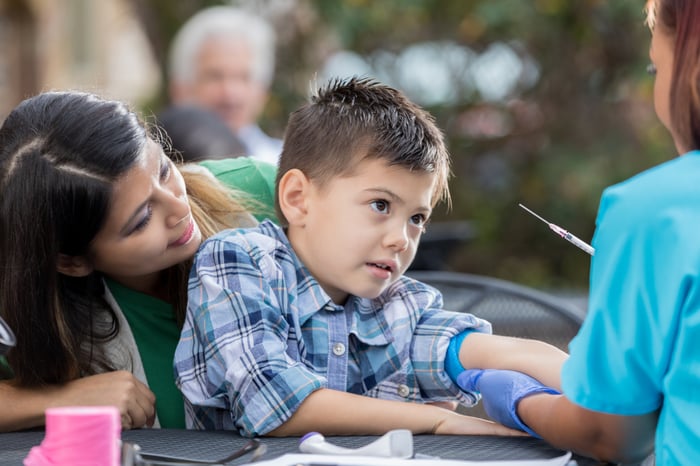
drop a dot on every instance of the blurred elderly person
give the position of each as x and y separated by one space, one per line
223 59
197 134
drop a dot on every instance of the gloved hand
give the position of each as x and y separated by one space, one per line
501 391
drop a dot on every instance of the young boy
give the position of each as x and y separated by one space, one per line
313 327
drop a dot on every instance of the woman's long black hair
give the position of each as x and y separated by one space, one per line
60 153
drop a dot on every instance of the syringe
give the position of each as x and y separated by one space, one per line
564 234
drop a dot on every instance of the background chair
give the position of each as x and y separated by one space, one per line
512 309
440 241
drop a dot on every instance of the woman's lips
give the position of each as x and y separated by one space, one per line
186 236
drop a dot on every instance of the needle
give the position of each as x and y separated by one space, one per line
564 234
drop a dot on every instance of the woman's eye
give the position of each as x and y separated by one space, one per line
144 221
380 206
165 169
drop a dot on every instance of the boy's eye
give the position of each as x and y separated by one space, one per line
419 220
380 206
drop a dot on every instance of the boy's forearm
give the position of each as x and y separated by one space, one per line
333 412
532 357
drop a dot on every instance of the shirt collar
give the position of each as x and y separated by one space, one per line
310 296
368 321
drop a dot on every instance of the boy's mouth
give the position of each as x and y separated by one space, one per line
380 266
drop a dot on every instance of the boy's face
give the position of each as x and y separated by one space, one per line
358 233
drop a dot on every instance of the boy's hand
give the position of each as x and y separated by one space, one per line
501 391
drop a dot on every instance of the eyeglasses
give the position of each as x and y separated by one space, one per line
133 456
651 69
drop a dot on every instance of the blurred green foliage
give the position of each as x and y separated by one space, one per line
586 122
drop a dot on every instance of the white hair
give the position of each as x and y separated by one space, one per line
230 22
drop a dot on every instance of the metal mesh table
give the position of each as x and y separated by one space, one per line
213 445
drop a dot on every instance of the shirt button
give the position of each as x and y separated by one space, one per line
403 390
338 349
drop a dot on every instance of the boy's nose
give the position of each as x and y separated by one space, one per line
397 238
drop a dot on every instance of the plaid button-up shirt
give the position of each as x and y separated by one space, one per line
261 335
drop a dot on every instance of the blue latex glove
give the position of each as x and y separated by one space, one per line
501 391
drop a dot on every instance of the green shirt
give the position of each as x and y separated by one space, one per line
5 371
152 321
253 178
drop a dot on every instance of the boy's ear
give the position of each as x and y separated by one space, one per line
73 266
293 194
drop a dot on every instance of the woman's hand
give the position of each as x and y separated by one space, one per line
23 407
136 403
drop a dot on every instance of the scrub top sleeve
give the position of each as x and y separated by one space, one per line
618 359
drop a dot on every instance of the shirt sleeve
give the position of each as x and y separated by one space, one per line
434 331
453 366
232 355
252 177
639 278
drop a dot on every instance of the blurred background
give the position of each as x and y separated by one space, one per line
543 102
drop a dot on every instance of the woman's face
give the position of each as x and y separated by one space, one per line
149 226
661 56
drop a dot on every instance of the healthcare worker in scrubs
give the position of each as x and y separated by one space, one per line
632 382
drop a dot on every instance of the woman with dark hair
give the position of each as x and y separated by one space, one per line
634 369
98 228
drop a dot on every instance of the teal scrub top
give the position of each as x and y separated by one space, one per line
639 347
